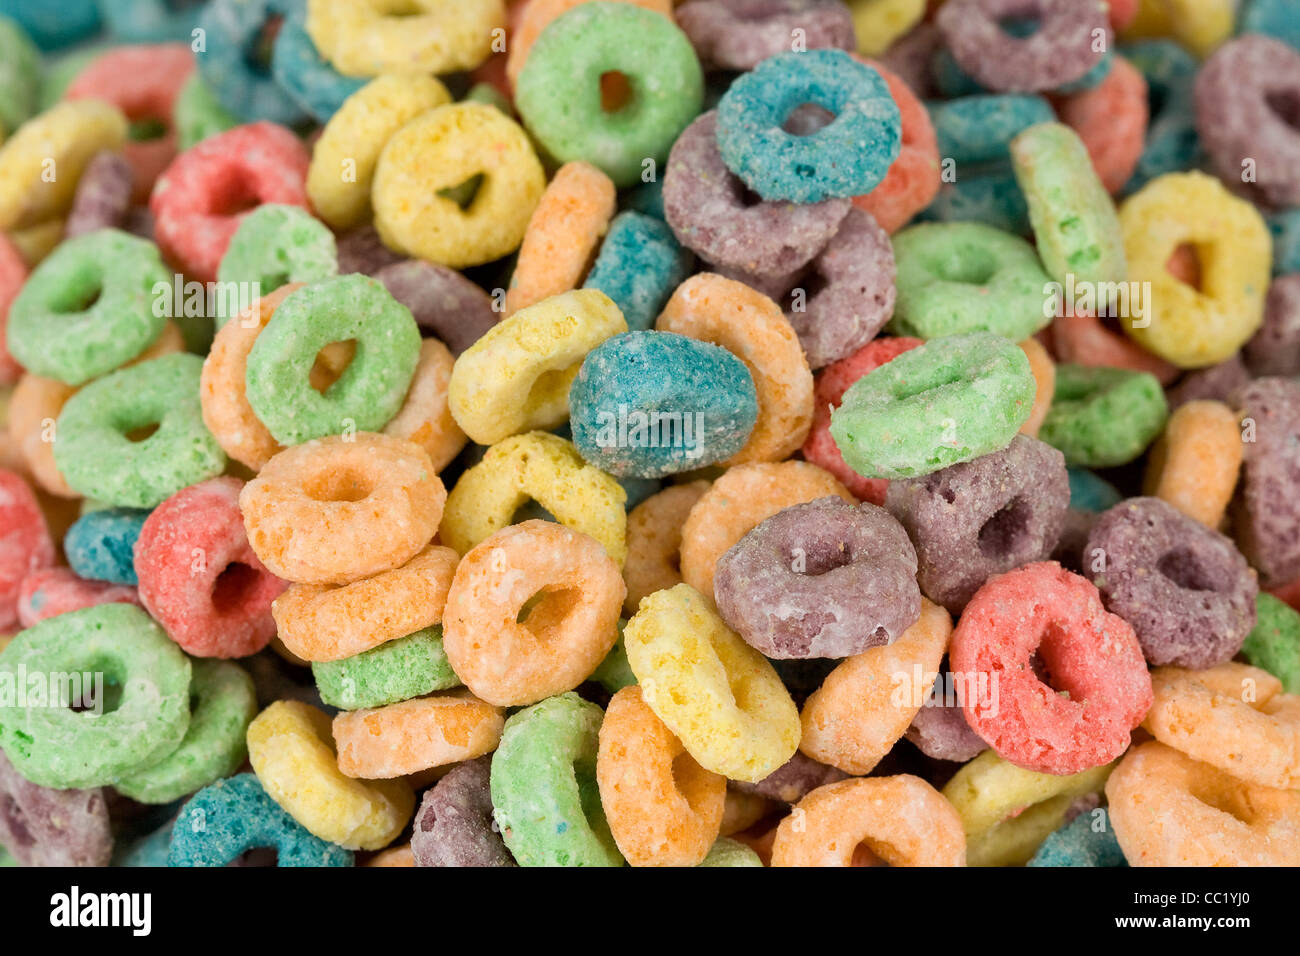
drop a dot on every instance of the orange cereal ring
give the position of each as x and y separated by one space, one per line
1231 717
393 856
741 499
565 635
425 417
654 541
563 235
1111 119
867 703
752 327
315 512
913 180
222 392
902 820
537 15
1084 340
318 623
33 415
413 735
1044 369
1170 810
1195 462
663 808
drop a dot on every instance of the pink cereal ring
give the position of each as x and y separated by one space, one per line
141 81
1111 119
50 592
199 199
1085 340
832 382
1093 656
13 273
25 544
199 577
913 179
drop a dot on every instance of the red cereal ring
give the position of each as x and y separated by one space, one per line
50 592
25 544
1122 12
143 82
13 273
832 382
197 200
1111 119
913 180
199 577
1100 687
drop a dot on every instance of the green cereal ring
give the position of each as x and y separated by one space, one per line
20 76
1102 417
56 746
726 852
1274 644
411 666
95 451
213 747
1075 223
544 786
373 386
615 672
939 404
958 277
88 308
275 245
198 113
558 94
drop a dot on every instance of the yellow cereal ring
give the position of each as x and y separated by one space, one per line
440 150
425 417
41 163
878 23
752 327
1199 25
365 37
563 234
550 471
291 748
741 499
861 709
343 160
413 735
1189 327
1044 369
654 541
1194 464
36 242
517 376
722 698
991 793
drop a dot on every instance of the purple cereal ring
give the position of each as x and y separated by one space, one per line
910 59
361 250
982 517
712 213
738 34
441 300
1275 348
822 579
1062 48
1266 509
1185 588
41 826
793 780
1246 98
454 825
1218 383
103 196
942 733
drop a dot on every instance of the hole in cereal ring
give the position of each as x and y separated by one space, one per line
1186 570
976 266
820 560
331 362
258 856
93 689
143 433
339 484
1021 23
463 193
258 54
400 8
865 855
1003 532
807 119
545 612
615 91
233 194
232 586
76 299
147 128
1286 105
1209 791
1185 265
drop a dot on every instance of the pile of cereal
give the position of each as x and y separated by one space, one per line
696 433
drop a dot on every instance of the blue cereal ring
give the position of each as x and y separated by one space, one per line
704 397
1078 843
1277 18
639 265
232 28
979 129
149 850
299 68
950 80
54 23
223 820
149 21
989 195
1093 78
847 157
100 545
1285 227
647 199
1172 143
1090 492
